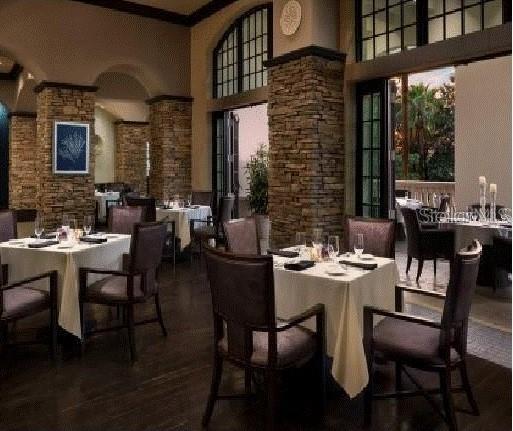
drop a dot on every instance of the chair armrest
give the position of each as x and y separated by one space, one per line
369 312
49 274
431 293
316 310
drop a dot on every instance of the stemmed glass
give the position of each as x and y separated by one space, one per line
38 227
300 241
189 200
358 245
88 224
333 247
65 221
317 241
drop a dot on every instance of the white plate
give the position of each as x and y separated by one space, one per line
16 242
366 257
335 270
64 245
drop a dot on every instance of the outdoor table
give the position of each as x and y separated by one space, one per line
344 298
466 231
26 262
181 217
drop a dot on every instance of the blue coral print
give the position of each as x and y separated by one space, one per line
71 148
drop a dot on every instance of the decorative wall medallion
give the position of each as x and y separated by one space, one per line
70 148
290 19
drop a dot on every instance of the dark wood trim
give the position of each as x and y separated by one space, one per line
307 51
208 10
13 74
141 10
63 85
24 114
169 97
132 123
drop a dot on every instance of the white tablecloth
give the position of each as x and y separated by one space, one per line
344 298
181 218
26 262
102 199
405 203
484 232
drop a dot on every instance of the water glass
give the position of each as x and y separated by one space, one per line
189 200
39 226
358 244
300 241
65 221
333 246
88 224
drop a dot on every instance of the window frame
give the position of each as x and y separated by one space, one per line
237 27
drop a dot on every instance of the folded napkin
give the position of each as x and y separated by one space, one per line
43 244
283 253
93 240
49 235
362 265
299 266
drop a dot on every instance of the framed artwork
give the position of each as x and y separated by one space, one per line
70 148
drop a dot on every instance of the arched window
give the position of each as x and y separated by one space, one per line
240 54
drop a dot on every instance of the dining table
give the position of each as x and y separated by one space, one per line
344 290
182 217
24 261
465 231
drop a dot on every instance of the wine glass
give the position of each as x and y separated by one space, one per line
38 227
65 221
300 241
189 200
358 245
333 246
88 224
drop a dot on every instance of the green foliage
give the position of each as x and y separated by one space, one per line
431 125
257 169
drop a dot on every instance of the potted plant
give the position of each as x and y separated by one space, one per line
257 171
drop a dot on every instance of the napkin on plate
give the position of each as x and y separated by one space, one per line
49 235
42 244
362 265
283 253
299 266
93 240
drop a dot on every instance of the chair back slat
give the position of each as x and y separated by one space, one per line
241 236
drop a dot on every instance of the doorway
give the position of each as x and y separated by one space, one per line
237 135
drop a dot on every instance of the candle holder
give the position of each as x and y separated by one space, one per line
482 201
493 211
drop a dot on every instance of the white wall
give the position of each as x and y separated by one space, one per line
104 167
483 129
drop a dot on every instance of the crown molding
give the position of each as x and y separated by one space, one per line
64 85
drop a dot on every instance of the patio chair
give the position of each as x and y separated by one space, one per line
248 335
415 342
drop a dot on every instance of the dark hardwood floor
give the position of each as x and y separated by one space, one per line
167 388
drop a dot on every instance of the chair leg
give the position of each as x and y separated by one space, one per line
272 398
468 389
367 395
408 264
217 373
53 330
159 315
247 381
398 377
445 387
322 384
434 266
419 269
82 327
131 332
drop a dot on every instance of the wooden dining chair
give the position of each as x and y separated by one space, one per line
241 236
415 342
8 231
21 300
378 235
135 284
202 198
122 219
247 333
148 204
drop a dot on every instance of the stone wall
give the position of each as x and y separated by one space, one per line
170 151
131 139
63 194
22 160
306 148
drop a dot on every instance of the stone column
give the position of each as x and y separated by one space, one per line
306 148
22 160
63 194
131 138
170 151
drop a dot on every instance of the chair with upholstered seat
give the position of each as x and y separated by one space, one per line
20 300
202 198
378 235
414 342
135 284
426 244
247 333
148 204
123 218
8 230
241 236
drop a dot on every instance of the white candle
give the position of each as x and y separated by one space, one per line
482 180
493 188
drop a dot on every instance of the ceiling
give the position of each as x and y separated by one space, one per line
185 7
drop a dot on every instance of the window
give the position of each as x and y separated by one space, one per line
387 27
240 55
